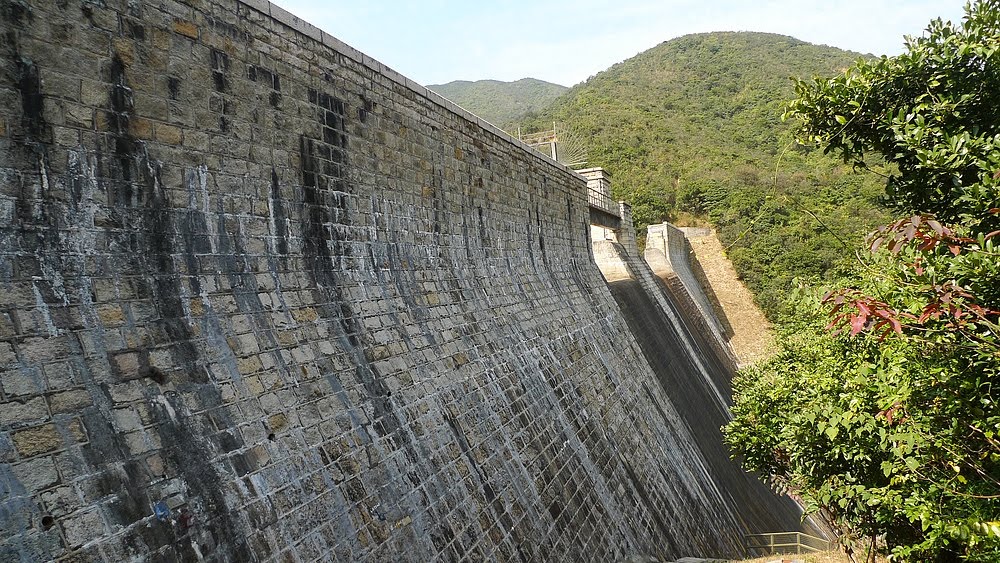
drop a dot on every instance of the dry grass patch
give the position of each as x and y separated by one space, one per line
752 337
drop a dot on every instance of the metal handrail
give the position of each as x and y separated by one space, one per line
603 201
776 542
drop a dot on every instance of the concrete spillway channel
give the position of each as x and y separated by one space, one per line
693 396
696 374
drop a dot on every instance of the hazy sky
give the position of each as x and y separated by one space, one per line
565 41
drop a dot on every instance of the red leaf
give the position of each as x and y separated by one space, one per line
936 226
955 249
857 325
923 317
931 310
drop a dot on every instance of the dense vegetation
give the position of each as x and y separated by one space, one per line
890 423
499 102
691 131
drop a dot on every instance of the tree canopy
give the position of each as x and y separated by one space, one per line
882 409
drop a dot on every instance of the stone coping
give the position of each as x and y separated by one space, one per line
296 23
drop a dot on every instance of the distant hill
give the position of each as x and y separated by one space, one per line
691 131
498 102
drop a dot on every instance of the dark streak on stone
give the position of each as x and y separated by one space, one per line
120 100
463 443
220 66
541 239
483 236
123 479
174 87
324 211
280 216
16 12
167 282
243 282
140 201
29 85
133 30
196 240
192 456
367 107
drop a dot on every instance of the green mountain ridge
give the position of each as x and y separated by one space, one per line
691 132
498 102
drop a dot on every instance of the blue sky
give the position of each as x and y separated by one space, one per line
563 41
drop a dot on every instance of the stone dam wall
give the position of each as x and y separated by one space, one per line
263 299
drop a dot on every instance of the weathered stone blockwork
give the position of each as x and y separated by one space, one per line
262 299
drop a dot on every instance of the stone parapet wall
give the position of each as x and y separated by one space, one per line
263 299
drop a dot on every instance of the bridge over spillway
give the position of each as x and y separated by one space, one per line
604 210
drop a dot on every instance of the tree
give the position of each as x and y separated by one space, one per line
930 111
882 409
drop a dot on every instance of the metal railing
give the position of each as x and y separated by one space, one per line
786 543
603 201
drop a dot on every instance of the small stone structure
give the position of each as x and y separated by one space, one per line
262 298
603 208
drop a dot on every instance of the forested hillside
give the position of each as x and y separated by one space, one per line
499 102
880 410
691 131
